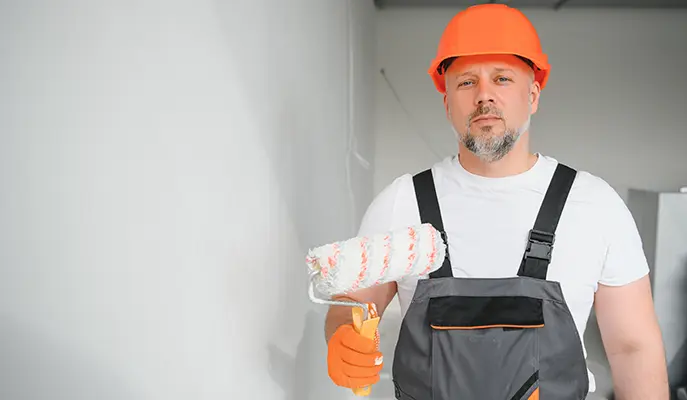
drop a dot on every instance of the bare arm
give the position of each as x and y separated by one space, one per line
632 340
380 295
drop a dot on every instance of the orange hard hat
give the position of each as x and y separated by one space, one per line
490 29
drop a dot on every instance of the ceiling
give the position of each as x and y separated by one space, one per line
552 4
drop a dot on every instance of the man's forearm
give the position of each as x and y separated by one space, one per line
639 374
336 316
379 295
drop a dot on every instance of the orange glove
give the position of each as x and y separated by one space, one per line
353 360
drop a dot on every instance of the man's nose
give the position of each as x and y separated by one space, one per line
485 94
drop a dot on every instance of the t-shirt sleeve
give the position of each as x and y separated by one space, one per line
380 215
625 260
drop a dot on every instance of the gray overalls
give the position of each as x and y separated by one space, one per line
492 339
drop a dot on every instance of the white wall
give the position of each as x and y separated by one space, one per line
614 105
164 167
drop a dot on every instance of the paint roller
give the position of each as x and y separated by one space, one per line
339 268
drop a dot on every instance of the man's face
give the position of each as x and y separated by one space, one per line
489 101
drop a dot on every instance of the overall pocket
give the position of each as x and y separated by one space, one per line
485 347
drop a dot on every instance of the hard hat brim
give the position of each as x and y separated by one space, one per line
541 74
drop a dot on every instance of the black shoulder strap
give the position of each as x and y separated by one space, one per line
535 262
428 205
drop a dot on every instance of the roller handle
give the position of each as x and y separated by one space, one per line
367 328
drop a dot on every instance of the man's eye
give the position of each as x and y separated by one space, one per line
464 83
504 79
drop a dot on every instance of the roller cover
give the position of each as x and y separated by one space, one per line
362 262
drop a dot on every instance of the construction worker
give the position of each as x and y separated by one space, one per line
532 245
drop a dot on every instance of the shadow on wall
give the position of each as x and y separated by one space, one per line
298 97
303 376
34 366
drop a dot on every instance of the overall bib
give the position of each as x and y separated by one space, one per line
496 338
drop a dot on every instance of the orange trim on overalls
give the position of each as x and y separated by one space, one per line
534 395
446 328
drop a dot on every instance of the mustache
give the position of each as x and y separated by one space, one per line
485 110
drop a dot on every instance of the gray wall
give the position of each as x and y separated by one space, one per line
164 167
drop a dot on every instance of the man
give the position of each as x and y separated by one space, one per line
532 245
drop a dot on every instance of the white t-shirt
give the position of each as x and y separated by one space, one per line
487 221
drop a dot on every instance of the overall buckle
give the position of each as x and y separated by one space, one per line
444 237
540 245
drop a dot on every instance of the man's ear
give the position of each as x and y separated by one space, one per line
535 93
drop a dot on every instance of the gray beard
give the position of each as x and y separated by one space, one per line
490 148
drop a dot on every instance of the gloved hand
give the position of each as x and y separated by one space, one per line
353 361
